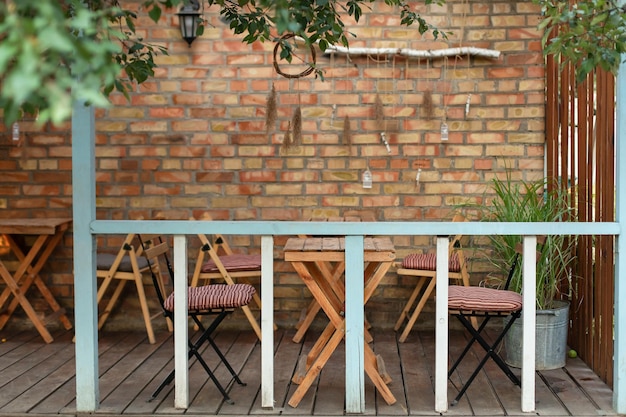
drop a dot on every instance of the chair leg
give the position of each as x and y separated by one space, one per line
490 353
409 304
193 350
143 302
418 309
109 307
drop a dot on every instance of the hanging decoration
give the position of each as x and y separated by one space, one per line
468 101
366 178
347 132
287 142
444 125
296 122
290 137
379 113
310 65
271 110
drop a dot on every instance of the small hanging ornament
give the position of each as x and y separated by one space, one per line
367 178
383 139
444 131
417 178
467 104
15 132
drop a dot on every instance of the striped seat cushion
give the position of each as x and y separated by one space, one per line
216 296
105 260
428 262
237 262
483 299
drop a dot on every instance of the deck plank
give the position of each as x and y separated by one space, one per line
58 400
285 359
28 371
36 378
570 394
39 379
420 391
385 345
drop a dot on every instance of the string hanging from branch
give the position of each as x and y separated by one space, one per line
429 108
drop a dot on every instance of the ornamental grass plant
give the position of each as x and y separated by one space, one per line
533 201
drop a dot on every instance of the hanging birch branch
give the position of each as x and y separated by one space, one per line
415 53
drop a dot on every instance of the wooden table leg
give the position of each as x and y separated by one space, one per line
316 368
314 307
33 276
21 299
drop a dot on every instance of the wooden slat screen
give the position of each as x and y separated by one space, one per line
580 148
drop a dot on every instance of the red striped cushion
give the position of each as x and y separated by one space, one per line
428 262
215 296
483 299
238 262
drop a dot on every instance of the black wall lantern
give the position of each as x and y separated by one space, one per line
188 17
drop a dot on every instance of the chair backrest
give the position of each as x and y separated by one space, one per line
217 241
111 262
154 247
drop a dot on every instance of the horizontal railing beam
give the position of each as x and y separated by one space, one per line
277 228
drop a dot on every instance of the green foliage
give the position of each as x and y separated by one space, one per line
588 34
319 21
54 53
533 202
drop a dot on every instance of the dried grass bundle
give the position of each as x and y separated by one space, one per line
296 122
379 113
271 110
347 132
287 142
429 108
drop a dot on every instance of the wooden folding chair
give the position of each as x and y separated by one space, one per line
217 261
127 265
423 268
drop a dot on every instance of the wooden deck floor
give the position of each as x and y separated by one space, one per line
39 379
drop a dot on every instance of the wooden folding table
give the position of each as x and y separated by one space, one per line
308 257
48 234
337 269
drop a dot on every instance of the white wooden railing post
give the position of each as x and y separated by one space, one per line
441 327
267 322
529 317
181 375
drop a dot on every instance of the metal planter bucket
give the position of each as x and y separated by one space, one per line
551 339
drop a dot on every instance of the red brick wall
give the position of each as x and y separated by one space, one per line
193 138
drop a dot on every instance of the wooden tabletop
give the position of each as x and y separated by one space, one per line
332 249
32 226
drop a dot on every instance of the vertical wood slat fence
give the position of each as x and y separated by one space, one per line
580 149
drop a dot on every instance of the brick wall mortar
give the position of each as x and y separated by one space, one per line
194 137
